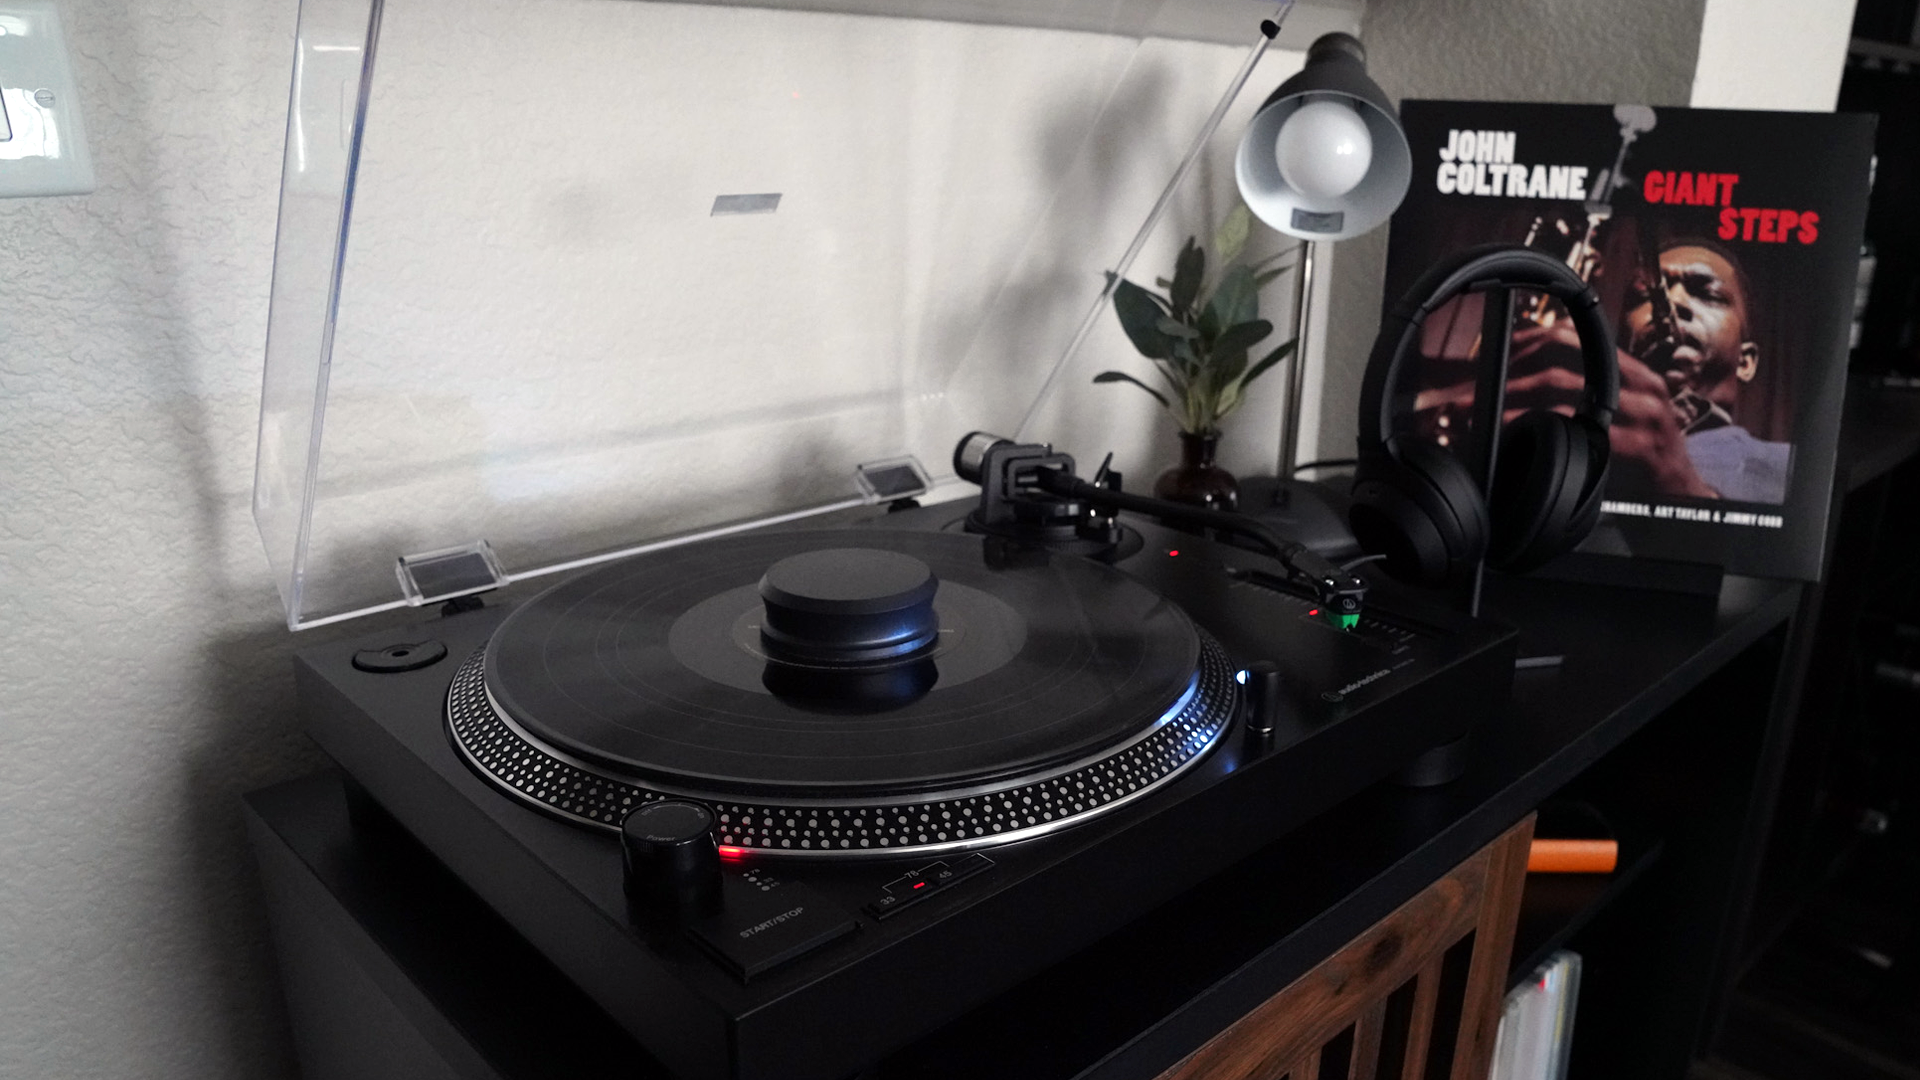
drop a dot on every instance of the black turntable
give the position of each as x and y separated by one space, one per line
934 751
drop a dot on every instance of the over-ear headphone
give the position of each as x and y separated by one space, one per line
1416 504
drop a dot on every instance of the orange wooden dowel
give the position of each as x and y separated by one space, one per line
1573 856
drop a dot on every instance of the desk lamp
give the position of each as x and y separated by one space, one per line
1323 159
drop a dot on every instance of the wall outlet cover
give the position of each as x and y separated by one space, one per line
43 141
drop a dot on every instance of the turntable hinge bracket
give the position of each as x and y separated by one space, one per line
447 574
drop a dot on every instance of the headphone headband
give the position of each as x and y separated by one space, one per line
1483 269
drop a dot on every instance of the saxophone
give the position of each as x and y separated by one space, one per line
1583 258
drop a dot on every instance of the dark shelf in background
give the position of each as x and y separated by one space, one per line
1881 430
1555 907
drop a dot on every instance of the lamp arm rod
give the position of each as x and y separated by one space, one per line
1269 29
1297 374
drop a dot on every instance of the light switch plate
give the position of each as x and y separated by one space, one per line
43 141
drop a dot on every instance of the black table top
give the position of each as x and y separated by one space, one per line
1142 999
1230 943
1218 951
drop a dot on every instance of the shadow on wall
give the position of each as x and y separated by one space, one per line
250 737
1132 148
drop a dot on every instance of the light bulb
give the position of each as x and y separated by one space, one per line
1323 149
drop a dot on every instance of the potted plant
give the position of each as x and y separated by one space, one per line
1200 335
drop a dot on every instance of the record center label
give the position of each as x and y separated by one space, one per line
720 637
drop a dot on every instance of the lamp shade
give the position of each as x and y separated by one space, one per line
1324 158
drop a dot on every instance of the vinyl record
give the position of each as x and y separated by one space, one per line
657 668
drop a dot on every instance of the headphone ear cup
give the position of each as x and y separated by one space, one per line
1546 490
1389 522
1596 445
1422 512
1530 485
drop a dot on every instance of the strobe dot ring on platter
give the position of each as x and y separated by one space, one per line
589 795
1059 689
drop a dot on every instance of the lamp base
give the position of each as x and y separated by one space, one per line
1304 512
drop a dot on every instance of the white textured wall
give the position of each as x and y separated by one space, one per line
144 676
1772 54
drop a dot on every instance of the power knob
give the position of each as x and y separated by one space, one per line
1262 696
671 862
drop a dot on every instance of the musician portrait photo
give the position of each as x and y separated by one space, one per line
1705 410
1686 349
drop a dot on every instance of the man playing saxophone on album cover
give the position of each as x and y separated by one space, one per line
1686 347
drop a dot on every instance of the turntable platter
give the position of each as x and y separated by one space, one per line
1044 688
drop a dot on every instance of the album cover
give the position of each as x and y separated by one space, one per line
1724 247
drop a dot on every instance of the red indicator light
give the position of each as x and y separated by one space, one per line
729 852
919 884
1315 611
1174 553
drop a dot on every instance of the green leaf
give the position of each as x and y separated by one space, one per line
1188 269
1243 336
1235 300
1267 361
1209 322
1186 359
1231 237
1283 253
1227 367
1230 352
1175 329
1230 400
1139 312
1121 376
1265 277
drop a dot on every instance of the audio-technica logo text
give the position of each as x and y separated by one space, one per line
1341 694
771 923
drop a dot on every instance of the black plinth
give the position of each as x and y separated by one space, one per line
1146 994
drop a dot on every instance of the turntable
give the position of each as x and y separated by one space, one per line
782 800
780 775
